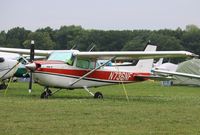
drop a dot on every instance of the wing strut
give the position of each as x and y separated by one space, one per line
91 71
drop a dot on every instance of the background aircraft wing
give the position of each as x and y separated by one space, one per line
25 51
126 55
176 73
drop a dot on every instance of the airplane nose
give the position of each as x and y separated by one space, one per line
31 66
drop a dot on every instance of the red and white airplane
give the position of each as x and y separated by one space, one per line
71 69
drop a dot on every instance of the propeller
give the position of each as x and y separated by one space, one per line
32 48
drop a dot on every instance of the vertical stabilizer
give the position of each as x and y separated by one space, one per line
145 65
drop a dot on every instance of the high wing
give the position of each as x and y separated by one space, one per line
176 73
25 51
129 55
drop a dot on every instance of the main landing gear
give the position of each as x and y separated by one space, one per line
97 95
47 92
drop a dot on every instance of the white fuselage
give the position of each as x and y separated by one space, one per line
63 75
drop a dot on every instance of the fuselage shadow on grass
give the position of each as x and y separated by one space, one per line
144 99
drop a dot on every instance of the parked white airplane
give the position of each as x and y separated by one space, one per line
70 69
8 67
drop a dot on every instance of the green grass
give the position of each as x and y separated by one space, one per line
152 109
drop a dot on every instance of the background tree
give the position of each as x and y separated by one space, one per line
135 44
16 36
165 42
42 40
191 39
65 35
113 40
3 38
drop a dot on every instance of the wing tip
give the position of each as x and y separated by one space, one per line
192 55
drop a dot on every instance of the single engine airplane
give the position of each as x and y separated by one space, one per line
71 69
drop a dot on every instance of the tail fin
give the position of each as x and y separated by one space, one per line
145 65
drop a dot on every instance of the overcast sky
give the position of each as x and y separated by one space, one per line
99 14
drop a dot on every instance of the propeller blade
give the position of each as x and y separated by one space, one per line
30 83
32 48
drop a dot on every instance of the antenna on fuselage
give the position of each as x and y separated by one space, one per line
149 42
93 46
73 47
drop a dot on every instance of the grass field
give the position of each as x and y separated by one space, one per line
152 109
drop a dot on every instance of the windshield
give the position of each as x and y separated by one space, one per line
62 56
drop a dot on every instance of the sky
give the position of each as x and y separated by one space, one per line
99 14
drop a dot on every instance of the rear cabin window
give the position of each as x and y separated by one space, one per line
86 64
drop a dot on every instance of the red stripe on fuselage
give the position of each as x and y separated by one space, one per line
102 75
49 62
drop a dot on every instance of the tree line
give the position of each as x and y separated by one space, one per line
111 40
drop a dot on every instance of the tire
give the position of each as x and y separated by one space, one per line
3 86
98 95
